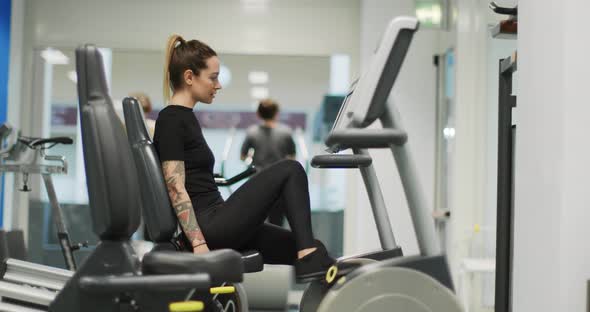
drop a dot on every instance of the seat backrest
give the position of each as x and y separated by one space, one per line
110 171
158 214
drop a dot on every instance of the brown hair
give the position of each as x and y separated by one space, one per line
180 56
144 101
267 109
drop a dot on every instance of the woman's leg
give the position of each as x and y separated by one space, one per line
275 215
275 244
237 221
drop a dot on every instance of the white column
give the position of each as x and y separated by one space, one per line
552 219
468 163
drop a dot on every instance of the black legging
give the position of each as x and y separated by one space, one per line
276 215
239 222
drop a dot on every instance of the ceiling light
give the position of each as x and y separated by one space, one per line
259 93
224 76
54 57
429 13
258 77
73 76
255 6
449 133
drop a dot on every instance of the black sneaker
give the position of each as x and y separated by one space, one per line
314 265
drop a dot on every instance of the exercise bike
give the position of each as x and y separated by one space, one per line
24 283
383 280
28 156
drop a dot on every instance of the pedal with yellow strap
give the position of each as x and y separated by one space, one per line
339 270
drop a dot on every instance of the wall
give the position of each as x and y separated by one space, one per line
297 82
551 214
276 27
282 27
575 257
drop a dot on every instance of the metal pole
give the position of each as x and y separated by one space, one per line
380 214
504 217
62 233
419 211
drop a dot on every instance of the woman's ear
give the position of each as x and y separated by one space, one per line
188 77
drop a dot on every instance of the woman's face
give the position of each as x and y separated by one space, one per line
204 86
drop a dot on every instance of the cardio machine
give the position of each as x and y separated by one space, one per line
28 156
387 281
33 284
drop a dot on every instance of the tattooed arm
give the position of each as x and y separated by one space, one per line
174 175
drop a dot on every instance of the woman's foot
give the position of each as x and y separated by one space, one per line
313 265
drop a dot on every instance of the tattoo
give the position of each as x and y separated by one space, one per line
174 175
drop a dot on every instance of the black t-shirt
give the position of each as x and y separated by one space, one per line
178 136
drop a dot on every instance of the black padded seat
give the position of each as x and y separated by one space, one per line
251 259
224 265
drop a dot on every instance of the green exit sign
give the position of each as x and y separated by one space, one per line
431 13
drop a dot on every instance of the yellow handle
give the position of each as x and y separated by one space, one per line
222 290
186 306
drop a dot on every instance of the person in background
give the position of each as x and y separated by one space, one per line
146 105
270 142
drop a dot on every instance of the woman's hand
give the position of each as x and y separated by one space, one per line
201 249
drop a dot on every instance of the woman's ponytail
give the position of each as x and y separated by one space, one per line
173 40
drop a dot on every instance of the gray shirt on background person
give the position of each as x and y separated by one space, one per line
270 144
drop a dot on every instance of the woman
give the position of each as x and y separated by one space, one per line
191 71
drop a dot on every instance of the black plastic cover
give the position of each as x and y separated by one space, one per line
120 284
253 261
341 161
365 138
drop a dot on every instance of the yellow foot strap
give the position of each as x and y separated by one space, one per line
222 290
186 306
